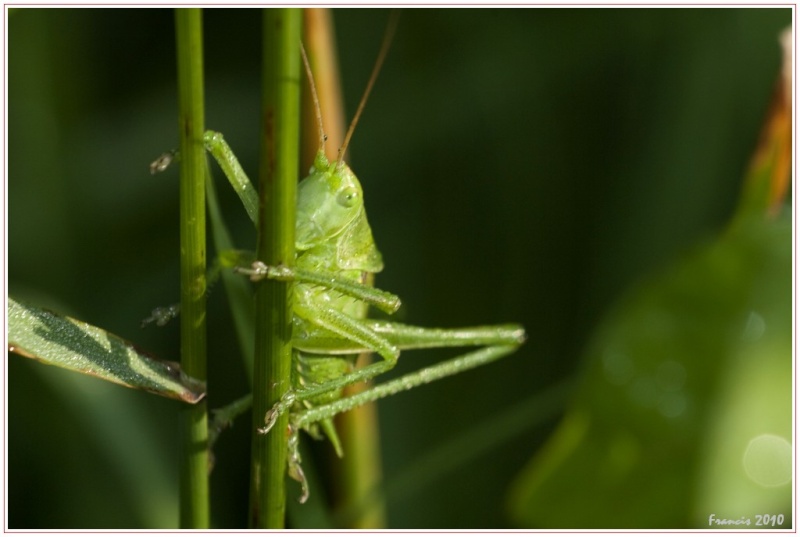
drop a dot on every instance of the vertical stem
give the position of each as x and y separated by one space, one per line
359 472
194 462
320 41
278 186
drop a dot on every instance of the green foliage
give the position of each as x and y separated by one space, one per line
689 369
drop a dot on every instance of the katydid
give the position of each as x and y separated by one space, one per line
335 253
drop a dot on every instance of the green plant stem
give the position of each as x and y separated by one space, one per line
194 460
359 472
278 174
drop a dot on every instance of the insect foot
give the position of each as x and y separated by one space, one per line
162 163
272 415
259 271
161 316
293 461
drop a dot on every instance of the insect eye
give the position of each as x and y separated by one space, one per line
347 197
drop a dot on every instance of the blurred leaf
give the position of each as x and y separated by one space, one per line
681 376
61 341
684 415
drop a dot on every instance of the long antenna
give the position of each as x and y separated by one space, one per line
387 41
314 96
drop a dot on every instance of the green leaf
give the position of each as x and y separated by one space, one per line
685 406
65 342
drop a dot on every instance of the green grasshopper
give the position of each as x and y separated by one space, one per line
336 254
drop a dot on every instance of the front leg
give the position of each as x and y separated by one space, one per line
374 297
222 153
216 145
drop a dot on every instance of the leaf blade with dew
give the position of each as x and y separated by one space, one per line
61 341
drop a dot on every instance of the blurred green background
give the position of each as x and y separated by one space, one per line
519 166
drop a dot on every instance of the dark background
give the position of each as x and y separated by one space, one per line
518 166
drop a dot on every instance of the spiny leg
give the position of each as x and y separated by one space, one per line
405 337
216 145
347 327
236 259
402 336
413 337
406 382
375 297
416 337
222 153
